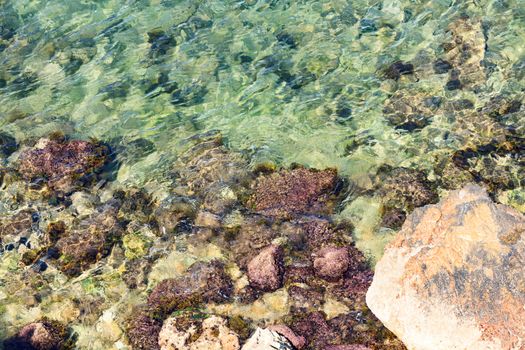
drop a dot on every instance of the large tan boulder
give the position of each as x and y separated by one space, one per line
454 278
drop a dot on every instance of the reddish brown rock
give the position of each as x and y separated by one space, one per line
347 347
314 328
331 263
296 191
64 165
143 331
203 282
297 341
17 225
41 335
88 242
453 277
265 271
298 272
310 298
245 238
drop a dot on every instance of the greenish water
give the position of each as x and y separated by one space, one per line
283 81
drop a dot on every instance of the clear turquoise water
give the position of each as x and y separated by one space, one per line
285 81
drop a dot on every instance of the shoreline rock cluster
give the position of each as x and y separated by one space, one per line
273 226
461 254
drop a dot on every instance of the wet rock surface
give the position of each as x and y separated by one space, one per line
265 271
203 283
297 191
90 242
451 279
249 234
143 331
8 145
41 335
193 331
116 244
63 165
270 230
331 263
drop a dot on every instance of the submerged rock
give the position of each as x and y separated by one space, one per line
265 271
331 263
17 226
174 211
452 279
88 242
212 174
161 42
316 330
403 190
397 69
203 282
143 331
194 331
63 165
296 191
359 329
465 52
7 144
40 335
483 162
411 111
441 66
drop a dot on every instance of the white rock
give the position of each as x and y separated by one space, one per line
265 339
214 335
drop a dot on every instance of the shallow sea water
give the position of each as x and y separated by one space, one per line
282 81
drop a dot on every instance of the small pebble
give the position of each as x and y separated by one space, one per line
453 85
442 66
35 217
40 266
53 253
